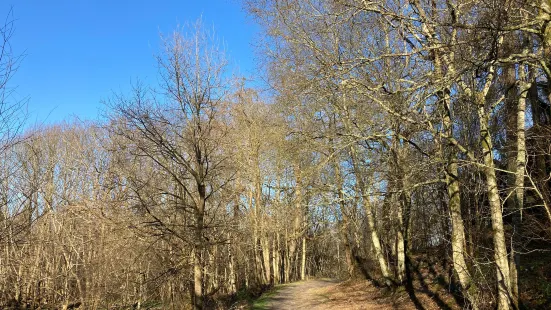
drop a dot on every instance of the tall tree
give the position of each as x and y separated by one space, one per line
181 133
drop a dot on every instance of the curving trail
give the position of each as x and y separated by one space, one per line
318 295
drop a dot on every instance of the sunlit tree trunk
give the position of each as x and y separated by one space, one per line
303 261
370 218
500 249
198 252
520 164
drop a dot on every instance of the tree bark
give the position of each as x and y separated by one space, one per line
458 232
519 182
344 224
303 263
368 208
500 249
198 275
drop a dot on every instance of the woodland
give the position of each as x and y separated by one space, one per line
397 141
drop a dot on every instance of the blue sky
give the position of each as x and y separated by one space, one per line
78 52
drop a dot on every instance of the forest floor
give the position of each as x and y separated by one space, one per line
325 294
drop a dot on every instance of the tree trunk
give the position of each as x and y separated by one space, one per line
401 203
500 249
366 203
376 242
287 258
197 277
258 274
232 277
344 224
275 259
458 232
198 249
268 279
400 250
297 225
519 183
458 239
303 264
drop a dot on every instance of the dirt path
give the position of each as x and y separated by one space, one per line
306 295
318 295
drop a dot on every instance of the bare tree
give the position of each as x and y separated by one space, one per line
180 132
11 109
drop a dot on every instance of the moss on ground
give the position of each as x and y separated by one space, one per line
263 302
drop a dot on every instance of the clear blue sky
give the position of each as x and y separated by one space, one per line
78 52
